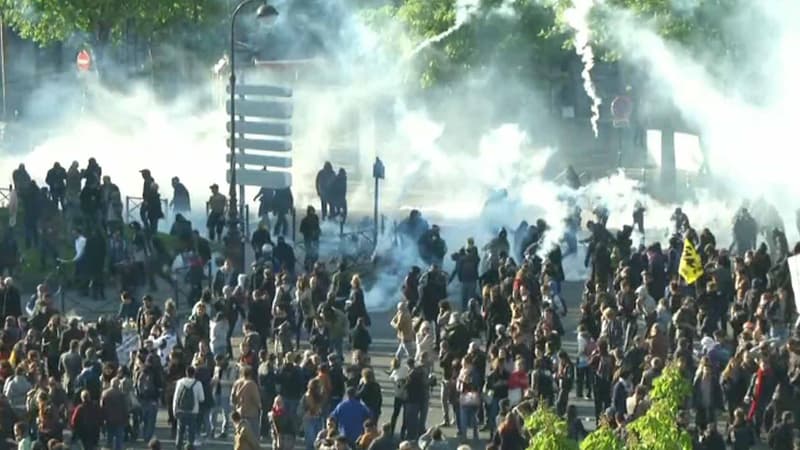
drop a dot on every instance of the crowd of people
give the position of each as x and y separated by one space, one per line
488 353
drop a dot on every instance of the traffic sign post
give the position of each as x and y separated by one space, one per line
84 61
263 130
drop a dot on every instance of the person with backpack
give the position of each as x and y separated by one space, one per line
148 386
186 404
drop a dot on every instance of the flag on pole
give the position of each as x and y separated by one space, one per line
691 266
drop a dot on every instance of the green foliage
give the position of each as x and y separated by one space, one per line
45 21
658 429
602 438
548 431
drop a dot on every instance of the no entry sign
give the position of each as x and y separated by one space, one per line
84 61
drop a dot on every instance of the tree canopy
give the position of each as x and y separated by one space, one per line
46 21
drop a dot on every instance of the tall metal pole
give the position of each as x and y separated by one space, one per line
233 245
3 63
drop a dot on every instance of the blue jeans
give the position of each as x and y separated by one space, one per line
311 427
492 409
149 413
469 419
115 435
187 424
291 405
411 413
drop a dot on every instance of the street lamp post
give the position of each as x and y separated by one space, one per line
234 246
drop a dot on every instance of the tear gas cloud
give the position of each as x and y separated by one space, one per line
449 183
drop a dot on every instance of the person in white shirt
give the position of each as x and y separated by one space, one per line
186 404
81 272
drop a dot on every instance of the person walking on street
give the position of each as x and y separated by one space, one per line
217 206
244 437
186 404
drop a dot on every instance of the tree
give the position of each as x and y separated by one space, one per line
548 431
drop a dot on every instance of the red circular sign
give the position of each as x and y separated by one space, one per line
84 61
622 107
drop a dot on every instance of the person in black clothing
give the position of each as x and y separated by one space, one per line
180 202
259 239
283 203
432 290
31 198
467 270
369 391
284 256
309 228
56 179
782 434
92 173
324 183
10 299
359 336
338 196
291 385
20 178
416 397
95 263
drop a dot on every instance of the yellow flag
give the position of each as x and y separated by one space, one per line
691 266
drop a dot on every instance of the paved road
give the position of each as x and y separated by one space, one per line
384 344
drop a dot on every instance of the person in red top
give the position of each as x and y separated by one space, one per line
517 382
86 422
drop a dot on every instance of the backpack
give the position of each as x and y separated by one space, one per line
186 399
146 386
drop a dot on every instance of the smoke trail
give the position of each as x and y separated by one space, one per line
578 19
465 11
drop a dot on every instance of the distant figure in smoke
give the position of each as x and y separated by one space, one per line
73 193
598 253
283 204
601 213
92 173
496 247
20 178
31 198
150 210
324 183
265 199
412 228
468 271
310 229
217 204
56 180
432 248
681 221
520 239
411 287
338 195
745 231
573 179
90 206
180 203
111 201
572 226
432 290
284 257
638 216
780 245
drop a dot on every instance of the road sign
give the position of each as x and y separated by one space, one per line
262 178
262 128
84 61
251 159
253 104
269 145
266 91
264 109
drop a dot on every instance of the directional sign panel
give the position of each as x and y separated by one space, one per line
262 178
251 159
269 145
267 109
266 91
263 128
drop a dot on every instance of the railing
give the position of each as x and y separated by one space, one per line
5 196
132 204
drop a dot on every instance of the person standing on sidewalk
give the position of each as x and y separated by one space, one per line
186 404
